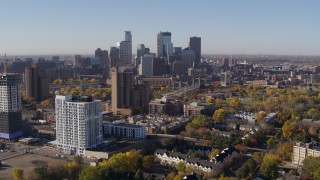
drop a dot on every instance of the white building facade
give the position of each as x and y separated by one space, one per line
301 151
78 123
130 131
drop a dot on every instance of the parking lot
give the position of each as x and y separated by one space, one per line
27 162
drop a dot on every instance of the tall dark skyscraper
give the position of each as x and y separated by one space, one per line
36 83
140 52
125 53
195 45
103 56
104 60
114 57
123 45
10 106
122 83
158 66
164 44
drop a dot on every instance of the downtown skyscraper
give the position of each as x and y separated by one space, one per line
195 45
140 52
36 83
164 44
125 49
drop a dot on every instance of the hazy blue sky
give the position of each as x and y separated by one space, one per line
289 27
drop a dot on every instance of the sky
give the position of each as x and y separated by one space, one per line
281 27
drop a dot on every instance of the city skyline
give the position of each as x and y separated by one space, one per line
80 27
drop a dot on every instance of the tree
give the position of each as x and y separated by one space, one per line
288 129
200 121
257 157
213 153
17 174
133 160
41 172
261 115
117 162
166 143
251 165
46 102
93 173
171 176
74 168
138 175
285 150
92 81
235 103
180 167
313 114
311 166
56 170
210 100
272 142
148 161
179 176
218 102
220 115
243 171
269 167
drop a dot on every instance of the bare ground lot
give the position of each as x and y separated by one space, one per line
27 162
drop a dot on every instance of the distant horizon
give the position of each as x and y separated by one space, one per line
288 27
203 54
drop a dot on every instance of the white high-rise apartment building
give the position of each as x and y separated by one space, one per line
78 123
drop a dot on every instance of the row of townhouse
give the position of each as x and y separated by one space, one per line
173 158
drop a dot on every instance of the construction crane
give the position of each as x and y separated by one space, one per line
5 66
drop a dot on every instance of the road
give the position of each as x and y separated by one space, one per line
182 91
177 137
73 85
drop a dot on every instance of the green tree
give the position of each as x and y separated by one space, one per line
117 162
180 167
272 142
235 103
288 129
17 174
243 171
210 100
218 103
252 165
93 173
257 157
312 166
41 172
74 168
220 115
148 161
138 175
200 121
213 153
269 167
